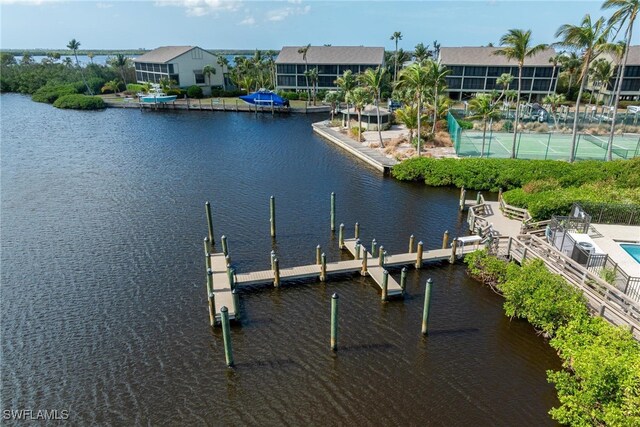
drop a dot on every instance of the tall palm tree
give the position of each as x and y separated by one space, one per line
74 45
208 71
517 46
482 107
396 36
360 97
571 64
554 60
618 53
223 62
627 11
554 101
347 83
504 80
437 81
408 115
271 64
373 80
332 97
312 76
416 78
303 51
421 52
591 38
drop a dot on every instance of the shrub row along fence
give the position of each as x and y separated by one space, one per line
612 213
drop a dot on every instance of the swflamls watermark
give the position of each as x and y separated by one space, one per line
32 415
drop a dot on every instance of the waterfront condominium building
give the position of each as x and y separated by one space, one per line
331 62
182 64
630 84
475 69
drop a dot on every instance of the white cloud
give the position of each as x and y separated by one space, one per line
101 5
249 20
202 7
285 12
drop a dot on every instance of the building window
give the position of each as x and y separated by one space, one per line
541 84
473 83
302 81
196 54
526 84
491 84
343 68
456 70
475 71
175 78
301 68
527 71
326 81
170 69
631 85
286 69
453 82
327 69
287 81
544 71
199 77
633 71
139 76
498 71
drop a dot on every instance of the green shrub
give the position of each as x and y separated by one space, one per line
625 104
465 124
219 93
176 91
291 96
135 88
79 102
486 268
507 126
49 94
194 92
303 96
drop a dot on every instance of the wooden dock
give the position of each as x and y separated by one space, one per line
221 287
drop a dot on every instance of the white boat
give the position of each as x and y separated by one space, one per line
156 95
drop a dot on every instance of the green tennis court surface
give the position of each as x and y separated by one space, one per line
545 145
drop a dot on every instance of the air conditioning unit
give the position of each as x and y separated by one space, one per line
587 247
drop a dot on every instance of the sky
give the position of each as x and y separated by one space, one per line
243 24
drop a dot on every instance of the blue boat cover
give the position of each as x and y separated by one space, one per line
266 98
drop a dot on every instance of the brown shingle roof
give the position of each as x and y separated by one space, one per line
634 55
486 56
163 54
332 55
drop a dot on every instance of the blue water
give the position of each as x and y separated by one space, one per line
633 250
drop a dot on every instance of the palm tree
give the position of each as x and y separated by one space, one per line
592 39
247 83
482 107
312 76
74 45
396 36
408 115
618 53
373 80
67 62
271 64
437 81
627 11
332 97
517 46
303 51
571 64
360 97
555 59
347 83
120 62
223 62
421 52
504 80
416 78
601 73
111 86
90 55
554 101
208 71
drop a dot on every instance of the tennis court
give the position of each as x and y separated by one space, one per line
546 146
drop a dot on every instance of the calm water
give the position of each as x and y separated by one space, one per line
103 292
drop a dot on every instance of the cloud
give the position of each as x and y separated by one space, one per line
202 7
282 13
101 5
249 20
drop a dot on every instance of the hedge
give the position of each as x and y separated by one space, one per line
79 102
600 380
194 92
50 93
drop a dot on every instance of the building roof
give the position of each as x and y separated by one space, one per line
332 55
634 55
486 56
163 54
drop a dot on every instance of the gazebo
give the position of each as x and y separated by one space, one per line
369 116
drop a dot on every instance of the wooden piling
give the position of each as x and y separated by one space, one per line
374 247
357 231
209 281
334 322
207 254
333 211
454 245
445 240
273 256
463 195
385 284
403 279
427 306
230 275
419 254
207 206
499 194
225 248
323 268
226 335
381 256
272 217
365 255
228 259
318 252
236 303
412 240
341 237
478 198
357 249
212 308
276 273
